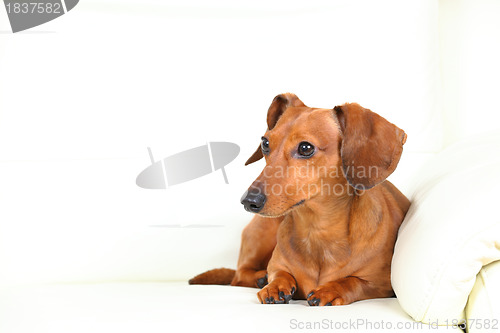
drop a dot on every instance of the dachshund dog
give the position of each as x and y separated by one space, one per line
327 220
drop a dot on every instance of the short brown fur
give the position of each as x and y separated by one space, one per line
329 247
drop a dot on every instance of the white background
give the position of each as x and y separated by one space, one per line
82 97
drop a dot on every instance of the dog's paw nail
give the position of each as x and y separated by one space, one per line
293 290
279 302
313 302
281 295
287 298
328 304
310 294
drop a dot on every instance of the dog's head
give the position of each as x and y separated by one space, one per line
313 152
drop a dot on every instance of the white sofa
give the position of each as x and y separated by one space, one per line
83 249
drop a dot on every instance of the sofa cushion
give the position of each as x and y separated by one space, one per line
178 307
451 230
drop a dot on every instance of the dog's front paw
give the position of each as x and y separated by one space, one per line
324 295
276 293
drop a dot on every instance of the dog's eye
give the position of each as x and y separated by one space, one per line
305 149
265 146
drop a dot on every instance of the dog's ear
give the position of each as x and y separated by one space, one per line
255 156
371 146
278 106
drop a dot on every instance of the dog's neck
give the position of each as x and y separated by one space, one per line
316 221
324 212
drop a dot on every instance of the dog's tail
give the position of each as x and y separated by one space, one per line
214 276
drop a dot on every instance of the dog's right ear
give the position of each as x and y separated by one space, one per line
278 106
255 156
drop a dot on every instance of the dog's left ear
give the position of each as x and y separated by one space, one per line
278 106
371 146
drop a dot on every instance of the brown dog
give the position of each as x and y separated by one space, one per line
328 219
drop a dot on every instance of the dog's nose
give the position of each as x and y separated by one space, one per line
253 200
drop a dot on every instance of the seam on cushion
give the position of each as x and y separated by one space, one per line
486 283
431 292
